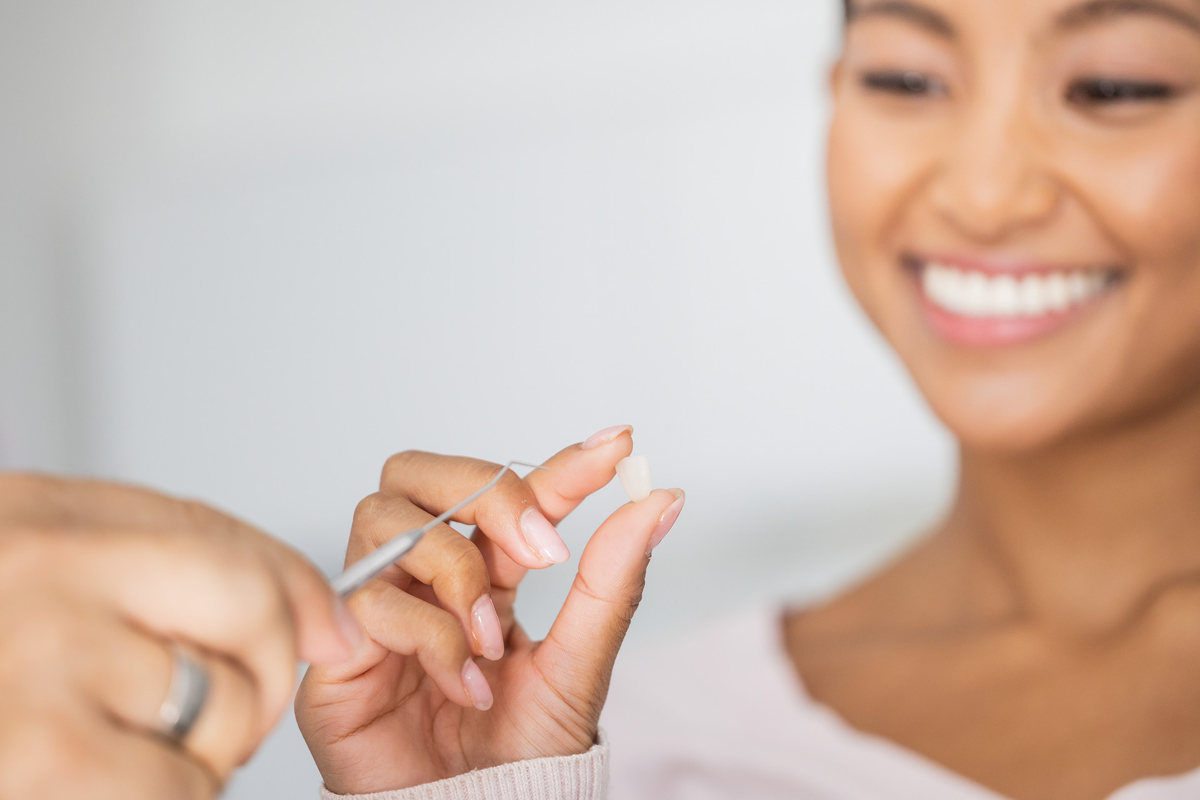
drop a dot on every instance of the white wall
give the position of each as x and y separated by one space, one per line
277 241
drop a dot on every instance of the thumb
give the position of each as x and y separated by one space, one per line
578 653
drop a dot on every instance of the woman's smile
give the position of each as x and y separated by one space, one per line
992 302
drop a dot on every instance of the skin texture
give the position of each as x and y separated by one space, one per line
96 582
1045 639
398 714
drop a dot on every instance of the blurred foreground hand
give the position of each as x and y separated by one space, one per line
147 644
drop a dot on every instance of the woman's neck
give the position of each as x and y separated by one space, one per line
1085 535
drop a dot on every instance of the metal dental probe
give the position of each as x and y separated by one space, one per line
357 574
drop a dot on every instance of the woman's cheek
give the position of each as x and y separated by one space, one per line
1148 194
1148 198
876 171
1147 201
856 207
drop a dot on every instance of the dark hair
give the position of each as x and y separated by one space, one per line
846 9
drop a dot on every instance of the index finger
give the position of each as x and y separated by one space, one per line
517 515
508 514
574 473
571 475
35 499
325 630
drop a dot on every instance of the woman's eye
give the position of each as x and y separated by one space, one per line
907 84
1098 91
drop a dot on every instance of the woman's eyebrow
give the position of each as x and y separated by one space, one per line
915 13
1097 10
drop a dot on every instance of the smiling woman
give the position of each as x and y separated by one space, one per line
1014 190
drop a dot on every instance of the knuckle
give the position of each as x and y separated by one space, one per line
479 472
369 509
443 632
195 512
584 587
397 464
466 570
623 599
195 516
510 482
468 559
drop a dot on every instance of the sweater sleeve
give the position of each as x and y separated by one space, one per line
578 777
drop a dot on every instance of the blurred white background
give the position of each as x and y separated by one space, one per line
249 249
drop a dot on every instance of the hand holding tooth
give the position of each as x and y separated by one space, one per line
448 681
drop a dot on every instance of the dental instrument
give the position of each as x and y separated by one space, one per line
360 572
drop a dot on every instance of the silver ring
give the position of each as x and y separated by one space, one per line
185 697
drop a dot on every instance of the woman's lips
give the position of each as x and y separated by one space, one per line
971 304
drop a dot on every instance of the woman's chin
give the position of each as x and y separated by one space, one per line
1004 436
1005 412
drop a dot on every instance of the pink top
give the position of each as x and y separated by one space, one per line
722 714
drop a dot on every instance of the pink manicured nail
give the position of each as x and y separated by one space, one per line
605 436
485 627
476 685
667 520
542 539
347 625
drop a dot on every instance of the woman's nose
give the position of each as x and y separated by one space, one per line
993 183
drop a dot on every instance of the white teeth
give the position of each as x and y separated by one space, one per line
1032 295
975 294
1058 293
634 473
1005 302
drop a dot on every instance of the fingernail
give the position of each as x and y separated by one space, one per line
605 436
542 539
485 627
476 685
347 625
667 520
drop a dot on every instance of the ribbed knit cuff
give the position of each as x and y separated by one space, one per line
579 777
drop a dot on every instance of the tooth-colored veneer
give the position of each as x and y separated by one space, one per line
634 473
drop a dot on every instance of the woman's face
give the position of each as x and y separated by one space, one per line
1015 190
